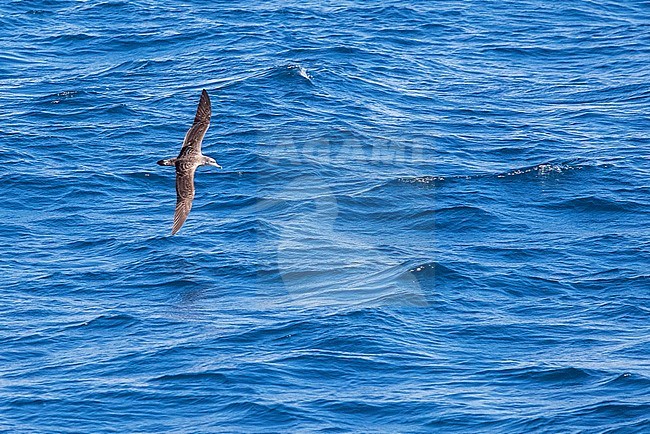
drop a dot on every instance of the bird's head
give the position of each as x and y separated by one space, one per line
211 162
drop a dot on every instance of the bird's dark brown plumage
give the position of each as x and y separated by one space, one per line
184 192
189 158
194 136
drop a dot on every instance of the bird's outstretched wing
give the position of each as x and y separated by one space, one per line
194 137
184 192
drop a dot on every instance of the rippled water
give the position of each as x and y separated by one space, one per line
433 216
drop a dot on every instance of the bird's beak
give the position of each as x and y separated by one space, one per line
215 164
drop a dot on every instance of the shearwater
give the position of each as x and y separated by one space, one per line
189 159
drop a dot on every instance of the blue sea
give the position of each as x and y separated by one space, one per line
433 216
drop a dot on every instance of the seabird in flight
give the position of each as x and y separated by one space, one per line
188 160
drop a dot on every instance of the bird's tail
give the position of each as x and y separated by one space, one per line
170 162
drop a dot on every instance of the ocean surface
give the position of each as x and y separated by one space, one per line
433 216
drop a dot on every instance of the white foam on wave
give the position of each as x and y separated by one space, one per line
301 71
